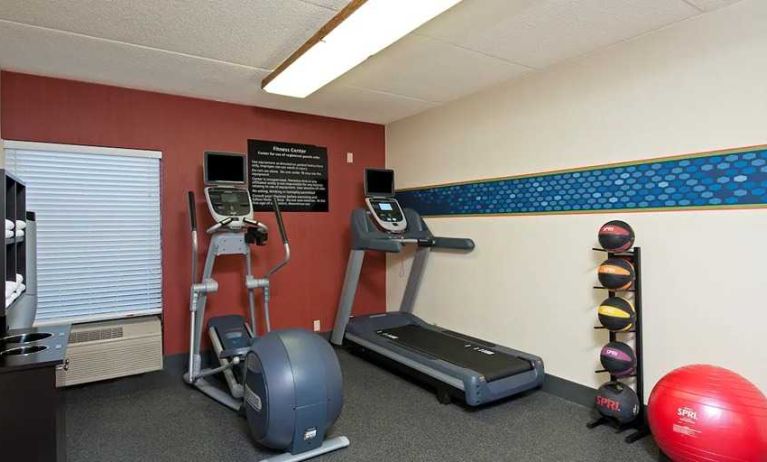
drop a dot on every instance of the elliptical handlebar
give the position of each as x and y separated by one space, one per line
284 235
255 223
280 223
220 224
192 211
193 225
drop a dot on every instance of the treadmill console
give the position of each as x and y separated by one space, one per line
226 190
379 198
387 213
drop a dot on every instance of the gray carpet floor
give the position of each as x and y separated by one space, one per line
156 417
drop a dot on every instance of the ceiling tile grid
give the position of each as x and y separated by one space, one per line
222 50
710 5
541 33
257 33
109 62
430 69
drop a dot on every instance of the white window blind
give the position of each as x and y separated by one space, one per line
98 229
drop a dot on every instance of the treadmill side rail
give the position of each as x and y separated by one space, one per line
351 281
469 384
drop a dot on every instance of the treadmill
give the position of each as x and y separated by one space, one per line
456 365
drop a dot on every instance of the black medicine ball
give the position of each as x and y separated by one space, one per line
616 273
618 358
616 236
616 314
618 401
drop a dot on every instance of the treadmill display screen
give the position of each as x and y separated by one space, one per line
379 182
386 206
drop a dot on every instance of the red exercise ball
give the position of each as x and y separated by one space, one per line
708 413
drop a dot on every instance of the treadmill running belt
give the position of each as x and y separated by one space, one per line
493 365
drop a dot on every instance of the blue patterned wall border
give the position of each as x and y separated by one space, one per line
732 178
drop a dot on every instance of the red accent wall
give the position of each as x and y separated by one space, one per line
61 111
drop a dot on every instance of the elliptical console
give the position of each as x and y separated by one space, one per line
226 191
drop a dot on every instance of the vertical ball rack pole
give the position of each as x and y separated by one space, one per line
642 429
640 423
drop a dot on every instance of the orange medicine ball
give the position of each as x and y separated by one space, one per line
616 273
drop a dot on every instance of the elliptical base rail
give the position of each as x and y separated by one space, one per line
329 445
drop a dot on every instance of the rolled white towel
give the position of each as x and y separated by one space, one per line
8 224
19 233
10 287
19 278
20 224
11 299
8 233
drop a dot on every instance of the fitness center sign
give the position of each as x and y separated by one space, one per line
297 174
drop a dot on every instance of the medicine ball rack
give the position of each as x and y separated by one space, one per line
639 424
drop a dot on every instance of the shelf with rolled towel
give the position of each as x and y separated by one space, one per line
10 231
14 290
14 231
14 260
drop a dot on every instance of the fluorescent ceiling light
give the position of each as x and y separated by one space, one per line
360 30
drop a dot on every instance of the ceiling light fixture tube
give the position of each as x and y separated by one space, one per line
360 30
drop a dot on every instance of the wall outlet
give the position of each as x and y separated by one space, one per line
316 325
349 157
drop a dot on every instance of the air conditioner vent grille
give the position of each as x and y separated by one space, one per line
111 349
94 335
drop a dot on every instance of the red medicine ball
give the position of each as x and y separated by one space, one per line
705 412
616 236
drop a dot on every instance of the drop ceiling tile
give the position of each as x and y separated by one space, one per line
538 33
710 5
429 69
38 51
257 33
361 104
44 52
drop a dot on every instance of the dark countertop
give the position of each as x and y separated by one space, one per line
53 355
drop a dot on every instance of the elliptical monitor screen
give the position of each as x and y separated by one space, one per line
379 182
224 168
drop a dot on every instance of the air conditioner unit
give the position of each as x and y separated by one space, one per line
106 350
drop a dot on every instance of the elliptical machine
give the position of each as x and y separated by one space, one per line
288 383
231 336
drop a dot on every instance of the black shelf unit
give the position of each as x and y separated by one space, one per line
639 425
14 260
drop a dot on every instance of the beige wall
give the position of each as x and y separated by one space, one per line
696 86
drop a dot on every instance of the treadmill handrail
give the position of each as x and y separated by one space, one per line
367 236
453 243
383 245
